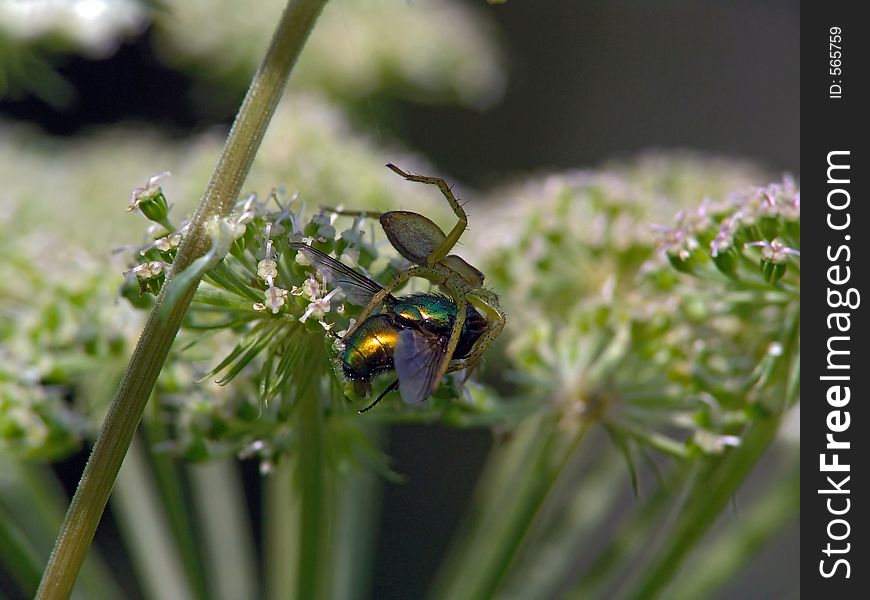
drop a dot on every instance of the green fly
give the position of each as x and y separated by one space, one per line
423 336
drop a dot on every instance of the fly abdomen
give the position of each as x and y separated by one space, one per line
369 350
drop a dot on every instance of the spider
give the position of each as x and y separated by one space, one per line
417 335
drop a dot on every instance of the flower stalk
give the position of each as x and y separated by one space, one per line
521 479
138 381
313 514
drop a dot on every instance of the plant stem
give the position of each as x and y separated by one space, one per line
628 545
156 558
17 554
357 505
550 465
138 381
313 514
734 549
228 543
281 516
516 489
715 489
168 479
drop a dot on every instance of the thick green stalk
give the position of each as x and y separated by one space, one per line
525 483
585 498
505 468
630 543
138 381
314 510
154 553
280 536
17 555
227 541
357 504
168 479
536 489
723 560
708 499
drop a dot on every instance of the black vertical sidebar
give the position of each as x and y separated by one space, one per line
835 420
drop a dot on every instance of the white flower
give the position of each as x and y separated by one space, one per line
169 242
310 288
725 235
267 268
149 270
321 220
774 251
353 237
350 257
713 443
326 232
146 192
275 298
318 307
237 226
343 332
301 260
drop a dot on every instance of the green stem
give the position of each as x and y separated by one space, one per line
586 496
17 554
281 510
556 456
170 486
723 560
357 505
627 546
145 529
227 541
523 476
313 514
714 491
138 381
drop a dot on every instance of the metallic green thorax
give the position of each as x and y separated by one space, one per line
437 313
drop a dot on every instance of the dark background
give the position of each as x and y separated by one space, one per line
592 81
588 82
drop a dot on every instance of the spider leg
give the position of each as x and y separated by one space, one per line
455 332
447 244
369 214
487 304
422 272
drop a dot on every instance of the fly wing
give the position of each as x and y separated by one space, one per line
418 360
357 288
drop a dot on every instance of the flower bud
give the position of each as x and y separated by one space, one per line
151 201
725 260
771 270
